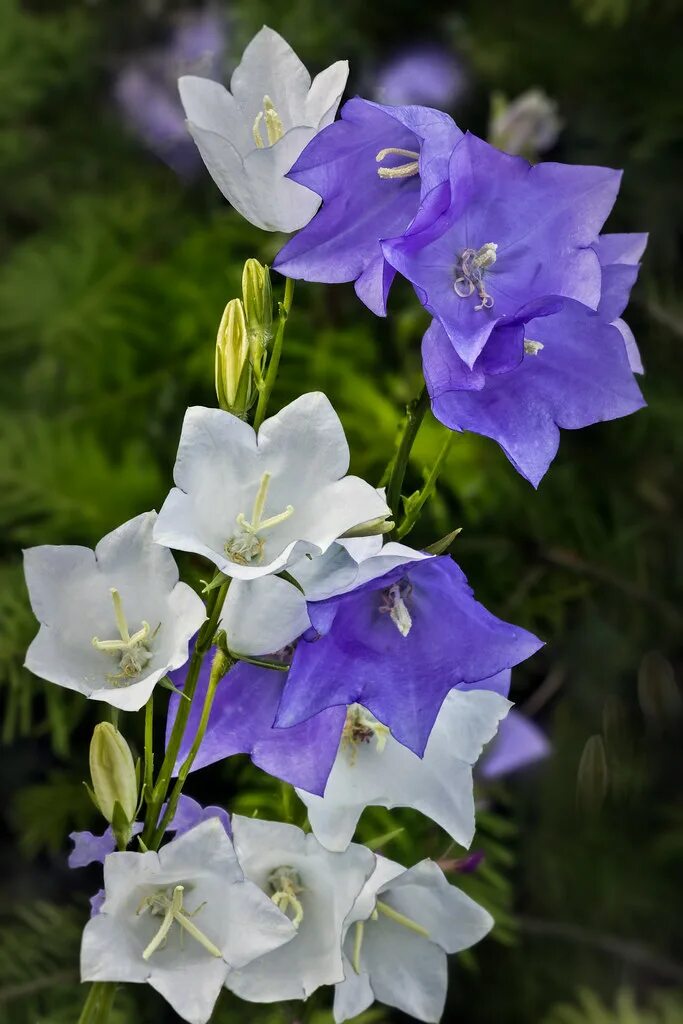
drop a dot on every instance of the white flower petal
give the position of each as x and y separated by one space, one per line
109 951
325 93
439 784
406 971
191 988
353 995
280 204
308 438
270 67
266 929
264 615
210 107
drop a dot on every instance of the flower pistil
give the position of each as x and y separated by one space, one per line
269 118
168 904
247 546
406 170
286 886
471 266
133 651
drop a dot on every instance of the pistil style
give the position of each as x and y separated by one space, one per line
394 602
393 915
406 170
286 886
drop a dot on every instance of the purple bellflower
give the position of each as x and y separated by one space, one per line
146 88
371 168
429 75
513 242
241 722
397 645
518 744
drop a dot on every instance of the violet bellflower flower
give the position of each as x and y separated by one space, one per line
518 744
514 240
574 371
371 168
146 88
397 645
429 75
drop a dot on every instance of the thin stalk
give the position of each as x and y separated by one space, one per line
415 413
274 361
221 664
98 1004
427 489
214 606
405 922
148 783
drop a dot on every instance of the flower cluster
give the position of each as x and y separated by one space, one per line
357 669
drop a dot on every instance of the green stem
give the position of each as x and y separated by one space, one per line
148 782
221 664
274 361
415 413
214 607
98 1004
427 489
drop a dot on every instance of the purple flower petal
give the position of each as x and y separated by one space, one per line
363 658
429 75
519 743
342 242
580 376
241 722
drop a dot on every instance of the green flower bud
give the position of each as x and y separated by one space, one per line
233 371
113 775
258 309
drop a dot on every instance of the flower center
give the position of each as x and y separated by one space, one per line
246 546
168 903
532 348
403 170
269 119
393 915
362 727
285 886
394 602
132 651
471 266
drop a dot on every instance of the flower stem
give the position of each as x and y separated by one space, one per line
221 664
98 1004
148 780
415 413
413 513
214 607
274 361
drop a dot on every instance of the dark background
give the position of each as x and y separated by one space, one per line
114 270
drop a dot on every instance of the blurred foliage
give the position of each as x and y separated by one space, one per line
113 277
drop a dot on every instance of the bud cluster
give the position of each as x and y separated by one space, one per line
244 333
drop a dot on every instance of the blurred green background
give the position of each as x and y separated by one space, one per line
114 271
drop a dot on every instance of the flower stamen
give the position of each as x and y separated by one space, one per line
172 909
393 602
286 886
362 727
532 348
471 265
357 944
403 170
273 125
133 651
247 546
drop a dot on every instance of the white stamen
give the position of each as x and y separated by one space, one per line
247 546
532 348
403 170
287 885
393 602
473 264
133 651
362 727
273 124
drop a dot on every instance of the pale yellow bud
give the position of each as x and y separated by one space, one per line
233 372
112 771
257 297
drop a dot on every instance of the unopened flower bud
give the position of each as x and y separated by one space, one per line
113 775
527 126
233 370
258 310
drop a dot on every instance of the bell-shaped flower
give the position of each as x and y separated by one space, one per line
371 168
398 644
373 769
114 620
255 504
527 126
619 257
397 937
574 370
181 920
316 889
513 240
250 136
518 744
